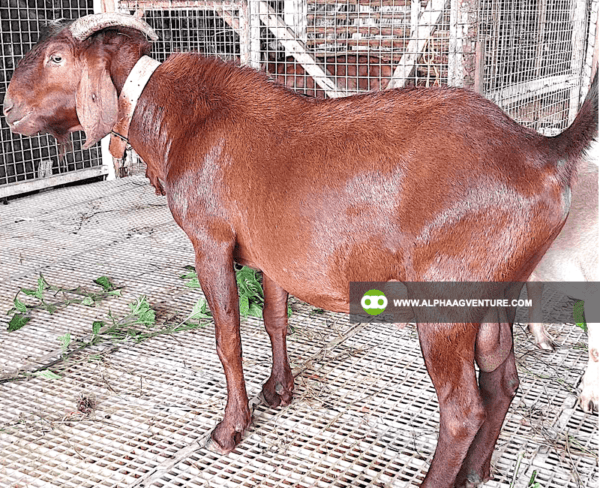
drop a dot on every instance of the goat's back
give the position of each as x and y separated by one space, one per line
403 184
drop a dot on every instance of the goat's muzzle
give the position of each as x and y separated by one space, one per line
17 117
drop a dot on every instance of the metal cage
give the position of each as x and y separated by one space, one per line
32 163
533 58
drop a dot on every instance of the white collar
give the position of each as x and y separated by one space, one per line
132 89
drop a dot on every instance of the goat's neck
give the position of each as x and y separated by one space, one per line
139 131
149 134
121 67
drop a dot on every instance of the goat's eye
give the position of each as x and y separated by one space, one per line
56 58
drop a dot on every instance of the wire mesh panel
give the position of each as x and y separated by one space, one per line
211 28
339 47
534 56
25 159
325 47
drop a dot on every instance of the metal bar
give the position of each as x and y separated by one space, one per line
243 30
33 185
521 91
591 59
479 67
101 6
179 5
427 22
577 58
295 15
254 33
295 48
454 52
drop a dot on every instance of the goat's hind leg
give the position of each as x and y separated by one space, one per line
536 327
590 384
449 351
498 383
279 387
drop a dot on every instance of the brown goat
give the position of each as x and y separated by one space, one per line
349 72
409 185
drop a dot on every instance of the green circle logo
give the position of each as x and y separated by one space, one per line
374 302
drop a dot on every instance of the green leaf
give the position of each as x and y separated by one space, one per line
147 318
189 275
194 283
18 321
88 301
244 306
141 309
532 483
30 293
105 283
255 310
189 326
290 311
41 286
250 291
96 326
200 310
47 374
65 340
19 305
578 315
116 293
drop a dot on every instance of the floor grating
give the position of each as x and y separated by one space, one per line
364 413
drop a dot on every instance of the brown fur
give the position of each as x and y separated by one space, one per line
408 185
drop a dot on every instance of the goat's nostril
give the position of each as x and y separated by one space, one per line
8 106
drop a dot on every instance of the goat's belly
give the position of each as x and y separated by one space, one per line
330 303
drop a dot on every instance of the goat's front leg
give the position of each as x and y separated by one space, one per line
448 350
217 277
279 387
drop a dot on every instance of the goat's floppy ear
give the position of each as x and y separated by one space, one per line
97 103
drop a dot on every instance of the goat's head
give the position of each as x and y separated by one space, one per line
69 80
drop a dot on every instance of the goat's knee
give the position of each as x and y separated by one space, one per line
459 428
461 418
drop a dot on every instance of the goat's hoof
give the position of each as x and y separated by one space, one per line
588 406
589 397
547 344
472 481
542 339
223 440
213 446
278 395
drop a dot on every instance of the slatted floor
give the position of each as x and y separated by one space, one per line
364 414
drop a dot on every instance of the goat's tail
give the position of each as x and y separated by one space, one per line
571 144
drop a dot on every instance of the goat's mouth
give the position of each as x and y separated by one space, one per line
20 125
